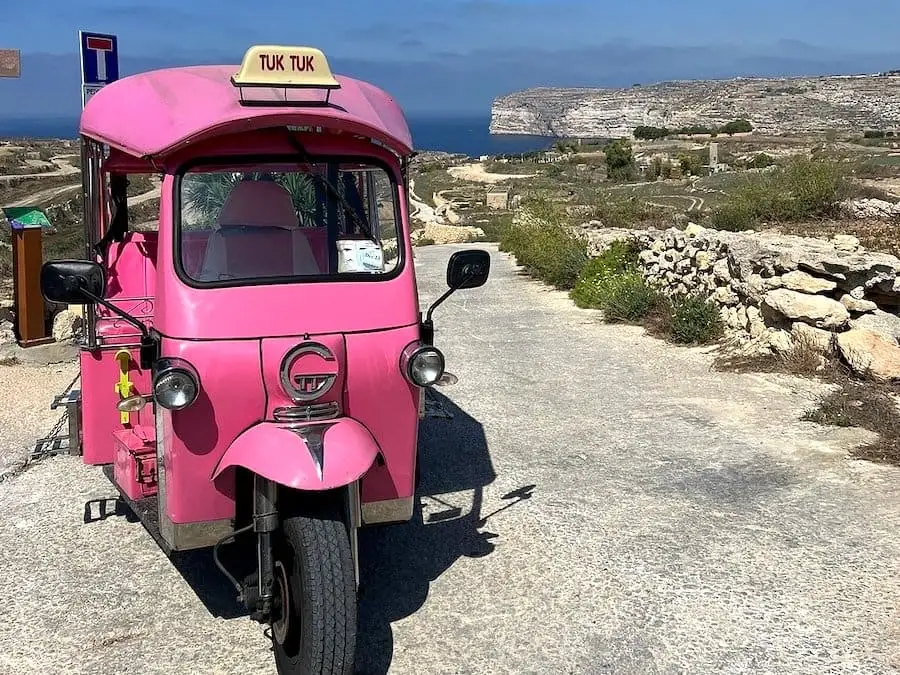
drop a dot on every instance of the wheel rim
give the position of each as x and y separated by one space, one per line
282 623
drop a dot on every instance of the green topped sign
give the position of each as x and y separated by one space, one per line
26 218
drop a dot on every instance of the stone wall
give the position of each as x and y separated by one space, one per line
774 291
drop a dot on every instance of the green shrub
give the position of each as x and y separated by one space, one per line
695 321
620 258
804 189
761 161
496 227
650 133
626 297
547 248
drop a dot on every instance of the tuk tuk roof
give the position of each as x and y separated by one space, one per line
155 113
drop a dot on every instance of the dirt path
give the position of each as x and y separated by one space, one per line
64 168
476 173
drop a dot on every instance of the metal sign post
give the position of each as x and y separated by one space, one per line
99 62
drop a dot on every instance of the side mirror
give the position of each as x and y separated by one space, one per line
468 269
74 282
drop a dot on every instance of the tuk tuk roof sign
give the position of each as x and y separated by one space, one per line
281 66
26 218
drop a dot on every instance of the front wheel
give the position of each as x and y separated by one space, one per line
314 630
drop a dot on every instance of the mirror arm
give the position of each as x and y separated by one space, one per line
427 323
145 333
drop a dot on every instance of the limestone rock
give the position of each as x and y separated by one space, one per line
755 324
818 339
721 271
66 324
817 310
779 340
857 304
806 283
870 353
447 234
845 242
871 209
725 296
692 230
883 323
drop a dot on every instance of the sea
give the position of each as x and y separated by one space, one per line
468 135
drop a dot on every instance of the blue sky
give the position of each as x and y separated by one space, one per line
456 55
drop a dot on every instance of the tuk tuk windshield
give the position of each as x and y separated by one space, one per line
326 219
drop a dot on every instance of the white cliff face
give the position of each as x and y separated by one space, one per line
772 106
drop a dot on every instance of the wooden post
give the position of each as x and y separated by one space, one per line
30 310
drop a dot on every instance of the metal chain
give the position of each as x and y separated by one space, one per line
55 431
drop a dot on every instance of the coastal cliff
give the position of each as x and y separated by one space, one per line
786 105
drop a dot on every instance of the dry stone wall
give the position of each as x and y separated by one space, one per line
774 291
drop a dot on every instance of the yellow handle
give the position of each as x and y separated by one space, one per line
124 386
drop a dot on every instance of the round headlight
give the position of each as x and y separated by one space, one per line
426 366
175 386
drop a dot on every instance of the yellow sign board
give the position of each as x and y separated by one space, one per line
278 66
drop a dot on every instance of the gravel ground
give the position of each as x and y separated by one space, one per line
25 416
596 501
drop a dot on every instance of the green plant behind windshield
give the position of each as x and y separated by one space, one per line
207 192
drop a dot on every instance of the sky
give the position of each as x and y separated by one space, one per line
455 56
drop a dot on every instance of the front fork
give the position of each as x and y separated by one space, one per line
260 597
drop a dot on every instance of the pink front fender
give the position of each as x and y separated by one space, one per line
308 456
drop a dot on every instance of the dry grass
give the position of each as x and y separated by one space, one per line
854 401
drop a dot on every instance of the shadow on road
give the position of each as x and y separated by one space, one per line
398 563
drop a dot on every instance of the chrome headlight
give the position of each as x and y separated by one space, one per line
176 384
422 364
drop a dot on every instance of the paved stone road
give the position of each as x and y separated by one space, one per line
599 502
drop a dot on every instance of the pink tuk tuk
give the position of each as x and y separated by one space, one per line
255 366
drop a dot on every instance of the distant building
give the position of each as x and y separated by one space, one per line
497 199
714 166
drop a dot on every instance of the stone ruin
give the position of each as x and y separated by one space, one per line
775 291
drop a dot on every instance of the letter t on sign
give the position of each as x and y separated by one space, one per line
101 46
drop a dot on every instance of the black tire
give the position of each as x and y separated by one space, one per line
320 637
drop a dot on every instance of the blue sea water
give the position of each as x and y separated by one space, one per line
469 135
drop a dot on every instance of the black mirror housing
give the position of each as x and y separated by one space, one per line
66 281
468 269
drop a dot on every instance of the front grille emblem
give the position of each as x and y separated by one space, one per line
306 386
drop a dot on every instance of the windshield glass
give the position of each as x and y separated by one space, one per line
316 220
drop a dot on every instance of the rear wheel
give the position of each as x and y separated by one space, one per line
314 630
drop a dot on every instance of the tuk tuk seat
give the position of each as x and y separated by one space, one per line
257 234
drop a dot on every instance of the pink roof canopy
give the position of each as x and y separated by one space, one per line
155 113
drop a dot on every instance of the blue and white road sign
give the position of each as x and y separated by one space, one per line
99 58
99 62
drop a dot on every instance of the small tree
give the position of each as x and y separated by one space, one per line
619 160
741 126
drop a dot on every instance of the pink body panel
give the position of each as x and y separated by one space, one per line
130 285
135 465
156 112
232 398
100 418
278 452
381 398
